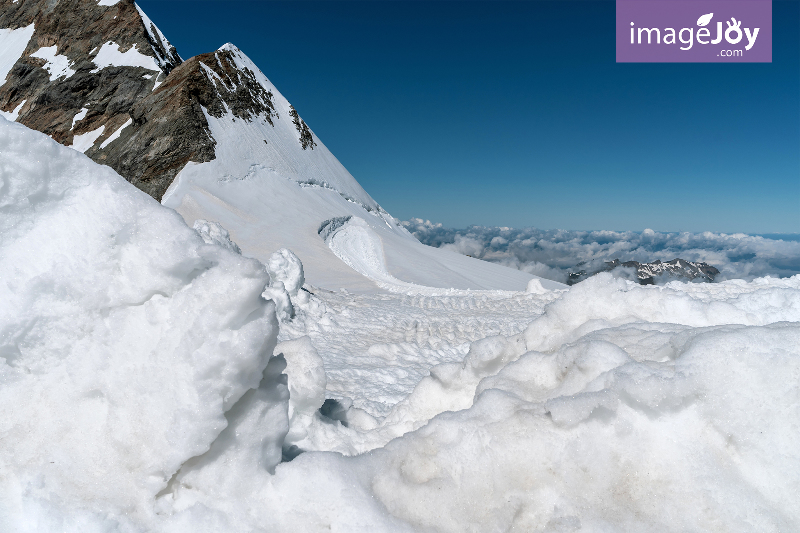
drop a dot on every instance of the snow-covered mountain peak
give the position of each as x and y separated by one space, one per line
229 47
211 137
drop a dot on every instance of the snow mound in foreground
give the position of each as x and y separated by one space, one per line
124 340
622 408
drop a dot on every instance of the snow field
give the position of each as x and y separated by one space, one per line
270 194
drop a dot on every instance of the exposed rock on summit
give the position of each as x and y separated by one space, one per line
104 80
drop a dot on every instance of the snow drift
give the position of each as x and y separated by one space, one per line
621 408
124 340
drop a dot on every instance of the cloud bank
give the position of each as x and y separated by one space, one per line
553 254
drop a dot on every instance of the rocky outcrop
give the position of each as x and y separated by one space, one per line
169 126
104 80
306 138
82 96
649 273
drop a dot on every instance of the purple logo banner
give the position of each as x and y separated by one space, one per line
694 31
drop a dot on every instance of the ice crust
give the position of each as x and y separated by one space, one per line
138 390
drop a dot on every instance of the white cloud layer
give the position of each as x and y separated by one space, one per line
552 254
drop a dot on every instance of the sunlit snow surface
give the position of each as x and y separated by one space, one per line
138 393
269 193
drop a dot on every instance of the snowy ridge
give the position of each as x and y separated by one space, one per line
285 152
166 54
270 192
163 403
650 273
144 387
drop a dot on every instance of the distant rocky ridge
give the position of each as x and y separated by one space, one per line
649 273
101 77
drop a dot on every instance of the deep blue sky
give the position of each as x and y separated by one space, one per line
516 114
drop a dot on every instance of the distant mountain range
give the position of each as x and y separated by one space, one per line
649 273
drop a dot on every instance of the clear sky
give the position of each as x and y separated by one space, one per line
516 114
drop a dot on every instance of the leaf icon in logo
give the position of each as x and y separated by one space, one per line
705 19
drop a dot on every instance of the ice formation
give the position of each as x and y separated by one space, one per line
284 266
214 233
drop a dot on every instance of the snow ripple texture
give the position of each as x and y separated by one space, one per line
377 347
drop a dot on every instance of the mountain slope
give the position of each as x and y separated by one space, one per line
211 137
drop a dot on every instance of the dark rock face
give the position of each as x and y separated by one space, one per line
169 128
153 119
306 139
648 273
78 29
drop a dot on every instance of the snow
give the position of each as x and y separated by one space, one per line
111 56
107 2
389 406
126 341
12 46
213 233
254 189
298 361
80 116
84 141
285 266
114 136
12 115
57 65
155 35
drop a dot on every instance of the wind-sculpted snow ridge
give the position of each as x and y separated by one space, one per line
360 247
554 254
